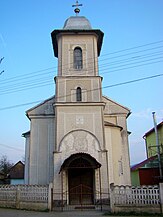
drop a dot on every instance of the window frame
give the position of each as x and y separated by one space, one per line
78 94
78 58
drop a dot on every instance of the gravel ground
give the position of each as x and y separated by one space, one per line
23 213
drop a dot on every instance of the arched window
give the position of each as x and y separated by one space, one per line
78 94
78 59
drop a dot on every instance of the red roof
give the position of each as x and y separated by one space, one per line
141 164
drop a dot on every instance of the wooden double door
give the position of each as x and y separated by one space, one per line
81 186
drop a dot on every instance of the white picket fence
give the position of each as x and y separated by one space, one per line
24 196
136 198
122 198
140 195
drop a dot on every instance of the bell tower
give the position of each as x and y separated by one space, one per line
78 97
77 47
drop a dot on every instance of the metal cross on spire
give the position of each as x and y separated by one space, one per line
77 10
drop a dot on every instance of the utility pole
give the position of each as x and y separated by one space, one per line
157 144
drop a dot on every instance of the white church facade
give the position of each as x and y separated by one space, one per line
78 138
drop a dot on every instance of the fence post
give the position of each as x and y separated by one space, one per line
112 197
161 196
17 198
50 197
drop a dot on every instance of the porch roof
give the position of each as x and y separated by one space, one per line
92 162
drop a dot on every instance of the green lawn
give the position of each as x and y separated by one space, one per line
132 214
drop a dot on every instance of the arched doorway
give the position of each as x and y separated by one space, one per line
81 174
81 182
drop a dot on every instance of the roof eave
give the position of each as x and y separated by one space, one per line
56 32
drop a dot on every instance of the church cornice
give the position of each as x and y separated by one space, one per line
108 124
77 77
115 114
79 104
58 32
45 116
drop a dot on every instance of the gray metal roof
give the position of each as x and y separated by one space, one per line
77 22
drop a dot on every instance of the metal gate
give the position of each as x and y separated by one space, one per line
81 198
81 195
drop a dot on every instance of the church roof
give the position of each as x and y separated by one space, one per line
115 108
147 163
73 25
106 123
26 134
44 108
77 22
79 156
58 32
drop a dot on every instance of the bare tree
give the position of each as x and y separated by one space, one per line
5 165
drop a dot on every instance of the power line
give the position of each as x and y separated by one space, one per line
1 59
114 85
45 82
131 67
127 49
10 147
136 62
129 61
118 65
0 63
133 81
27 75
1 72
135 52
135 47
133 58
108 86
20 105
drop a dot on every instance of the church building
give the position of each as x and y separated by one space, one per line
78 139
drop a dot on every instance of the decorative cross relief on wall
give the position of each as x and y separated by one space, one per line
79 119
79 140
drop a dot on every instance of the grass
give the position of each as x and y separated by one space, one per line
132 214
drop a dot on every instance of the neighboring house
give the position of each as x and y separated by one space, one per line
16 174
150 140
146 172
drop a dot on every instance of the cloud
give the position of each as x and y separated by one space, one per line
137 151
147 114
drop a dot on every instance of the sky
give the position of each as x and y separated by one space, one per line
132 49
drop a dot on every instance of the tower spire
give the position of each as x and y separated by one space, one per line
77 5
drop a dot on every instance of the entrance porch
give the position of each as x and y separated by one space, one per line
80 184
